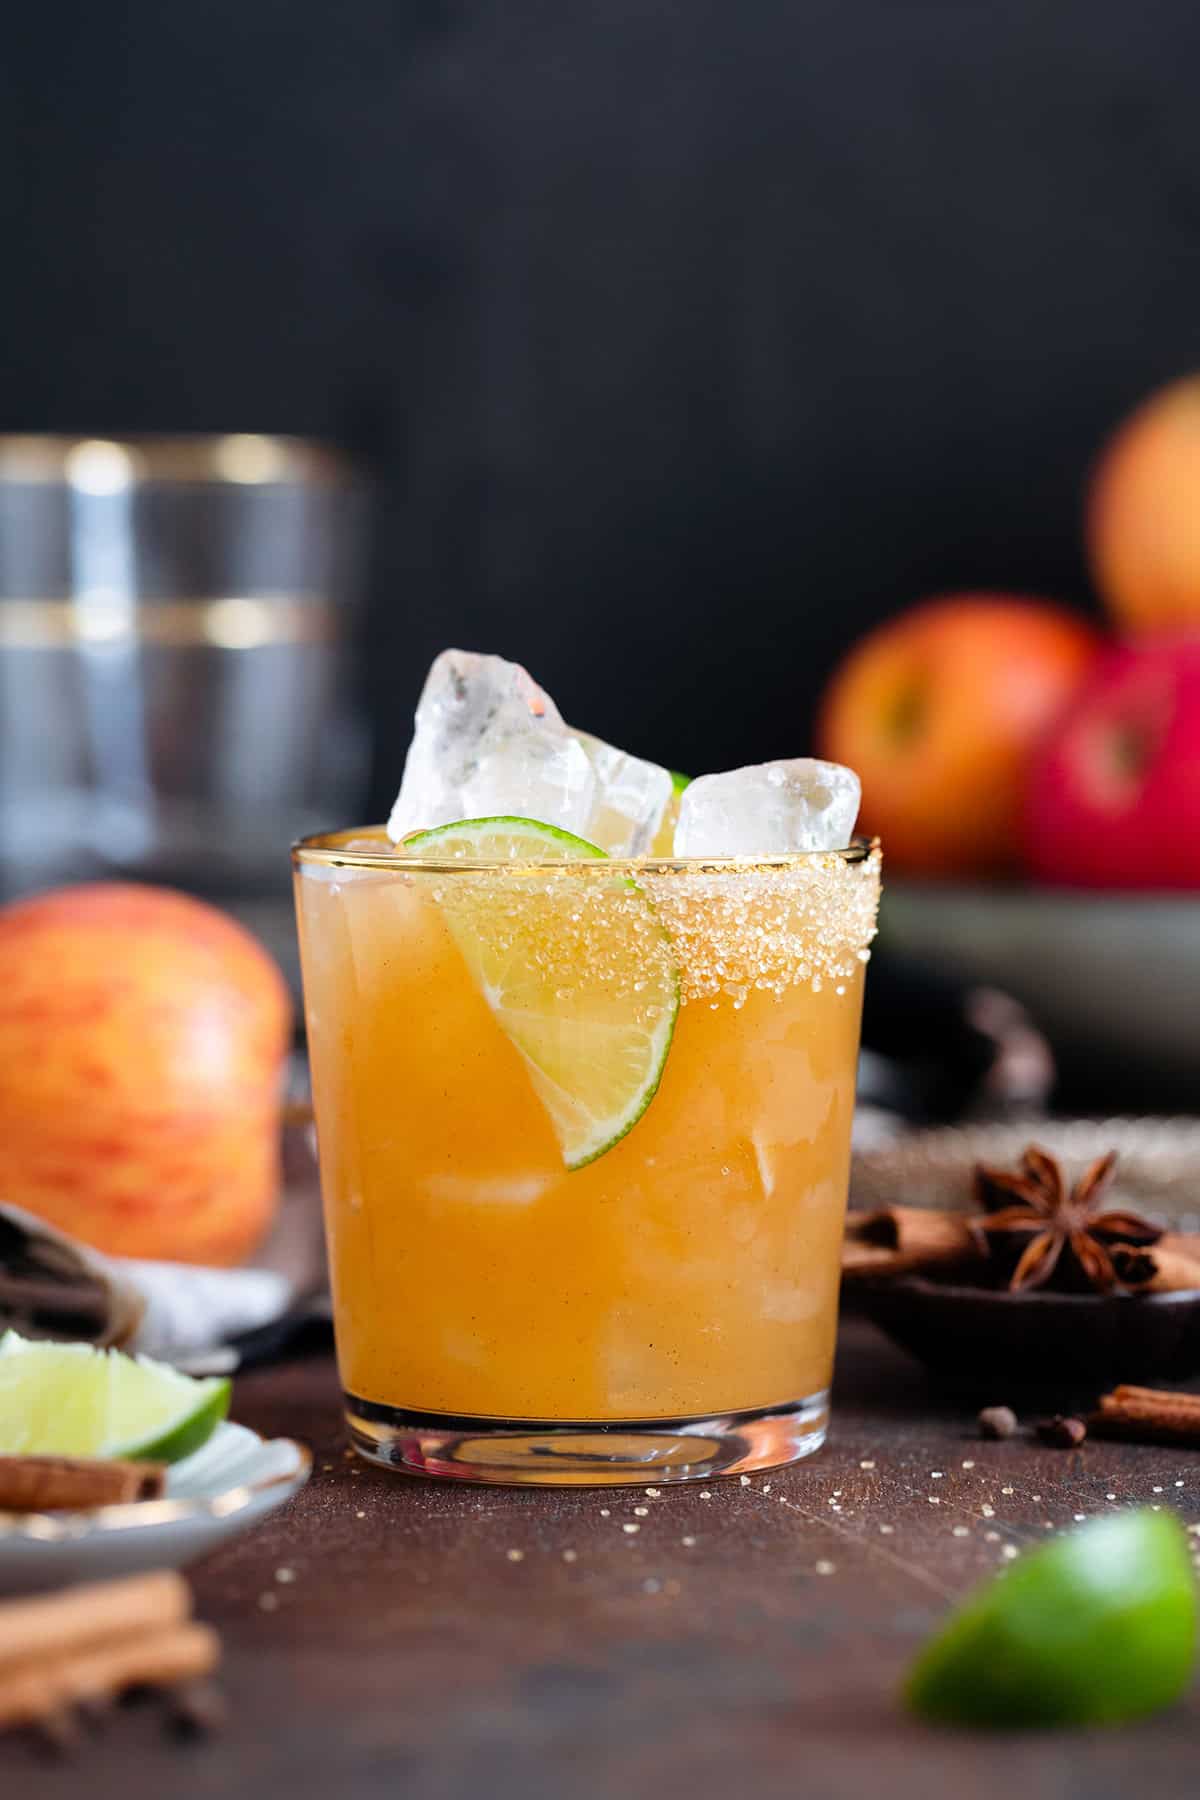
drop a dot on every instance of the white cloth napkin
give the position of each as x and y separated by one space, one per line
53 1286
191 1309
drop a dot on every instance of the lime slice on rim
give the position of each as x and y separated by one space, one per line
73 1400
1096 1627
579 974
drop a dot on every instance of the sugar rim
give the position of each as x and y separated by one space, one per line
322 848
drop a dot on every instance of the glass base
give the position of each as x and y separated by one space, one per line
570 1453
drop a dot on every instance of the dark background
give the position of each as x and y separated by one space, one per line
686 337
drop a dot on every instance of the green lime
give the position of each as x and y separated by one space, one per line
1096 1627
580 975
502 839
73 1400
664 837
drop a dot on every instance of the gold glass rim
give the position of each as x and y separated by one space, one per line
220 458
324 849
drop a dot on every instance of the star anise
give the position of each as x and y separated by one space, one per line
1062 1233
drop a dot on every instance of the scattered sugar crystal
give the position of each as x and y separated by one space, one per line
769 809
825 1568
515 1555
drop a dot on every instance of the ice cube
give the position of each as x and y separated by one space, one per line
769 809
631 798
489 740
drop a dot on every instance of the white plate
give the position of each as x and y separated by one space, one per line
235 1480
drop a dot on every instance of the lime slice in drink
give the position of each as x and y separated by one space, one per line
664 837
72 1400
1096 1627
578 971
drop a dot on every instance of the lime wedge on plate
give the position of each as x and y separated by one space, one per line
1097 1627
72 1400
579 974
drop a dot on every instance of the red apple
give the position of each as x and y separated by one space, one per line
1114 797
938 712
142 1041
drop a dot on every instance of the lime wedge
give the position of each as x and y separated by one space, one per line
502 839
72 1400
1097 1627
579 974
664 837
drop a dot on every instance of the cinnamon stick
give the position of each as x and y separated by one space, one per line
79 1618
70 1483
37 1690
1148 1415
899 1240
1169 1267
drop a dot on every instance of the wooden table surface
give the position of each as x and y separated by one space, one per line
387 1636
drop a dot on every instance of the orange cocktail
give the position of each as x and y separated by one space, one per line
584 1136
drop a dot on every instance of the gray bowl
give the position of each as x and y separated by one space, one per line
1110 978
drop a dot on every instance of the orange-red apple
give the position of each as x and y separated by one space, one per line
1143 514
1114 792
939 711
142 1041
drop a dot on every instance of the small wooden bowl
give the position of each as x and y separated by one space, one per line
993 1344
